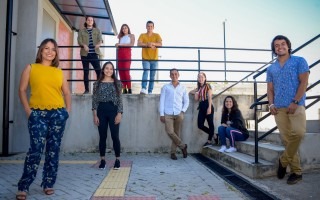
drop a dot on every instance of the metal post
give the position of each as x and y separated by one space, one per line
6 81
255 95
199 61
224 49
117 63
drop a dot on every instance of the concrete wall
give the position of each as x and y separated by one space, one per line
27 41
140 129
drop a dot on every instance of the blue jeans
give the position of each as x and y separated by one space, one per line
232 134
151 66
46 129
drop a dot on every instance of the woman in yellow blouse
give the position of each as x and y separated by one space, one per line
47 111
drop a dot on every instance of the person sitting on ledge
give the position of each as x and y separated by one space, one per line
232 125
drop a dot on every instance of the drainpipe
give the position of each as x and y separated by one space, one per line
6 80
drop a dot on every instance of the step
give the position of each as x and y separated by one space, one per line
241 162
273 138
313 126
267 151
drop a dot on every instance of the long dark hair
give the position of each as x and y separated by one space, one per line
205 82
115 80
281 37
94 22
234 108
121 34
55 61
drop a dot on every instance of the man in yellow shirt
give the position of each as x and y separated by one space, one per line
149 41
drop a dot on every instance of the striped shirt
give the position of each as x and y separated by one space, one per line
203 92
91 46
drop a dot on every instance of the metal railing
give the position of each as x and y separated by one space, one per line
199 63
259 103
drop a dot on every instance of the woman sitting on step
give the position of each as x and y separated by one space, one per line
232 125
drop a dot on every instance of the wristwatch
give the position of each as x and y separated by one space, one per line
295 101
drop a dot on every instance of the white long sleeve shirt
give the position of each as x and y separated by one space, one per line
173 100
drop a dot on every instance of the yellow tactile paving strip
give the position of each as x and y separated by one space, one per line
114 184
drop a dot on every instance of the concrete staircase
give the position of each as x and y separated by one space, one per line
269 151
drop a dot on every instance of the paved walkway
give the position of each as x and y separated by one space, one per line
142 176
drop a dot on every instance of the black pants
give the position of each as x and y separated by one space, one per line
86 60
107 113
202 116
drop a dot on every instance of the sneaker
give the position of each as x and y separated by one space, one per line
116 164
207 144
222 149
102 164
143 91
294 178
281 171
231 149
86 92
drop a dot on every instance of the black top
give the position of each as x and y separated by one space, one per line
235 121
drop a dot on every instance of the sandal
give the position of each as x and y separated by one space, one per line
48 191
21 195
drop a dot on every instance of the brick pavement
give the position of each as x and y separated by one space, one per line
152 176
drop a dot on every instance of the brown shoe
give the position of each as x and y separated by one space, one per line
173 156
184 151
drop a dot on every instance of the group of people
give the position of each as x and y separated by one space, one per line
90 40
174 101
49 106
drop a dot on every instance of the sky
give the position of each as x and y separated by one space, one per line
199 23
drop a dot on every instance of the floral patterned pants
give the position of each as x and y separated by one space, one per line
46 129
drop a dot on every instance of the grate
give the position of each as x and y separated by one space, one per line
235 180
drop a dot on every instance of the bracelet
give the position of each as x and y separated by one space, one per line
271 105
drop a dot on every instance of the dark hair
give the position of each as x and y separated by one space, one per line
174 69
115 80
55 61
149 22
280 37
234 108
94 22
205 82
121 34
